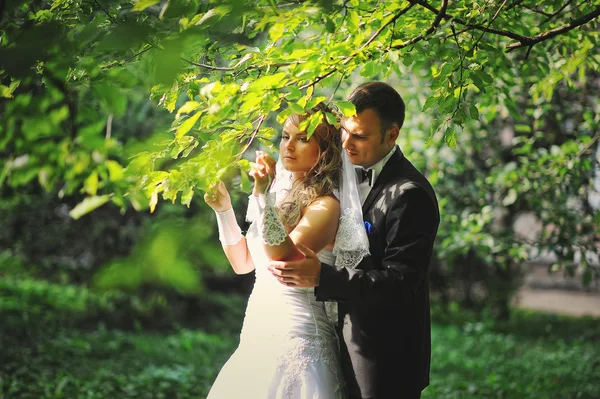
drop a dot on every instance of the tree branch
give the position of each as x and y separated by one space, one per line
371 39
441 14
112 19
530 41
588 145
240 62
499 32
391 21
337 86
252 137
461 55
114 64
557 12
320 78
523 41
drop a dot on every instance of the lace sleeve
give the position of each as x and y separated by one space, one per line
351 242
263 211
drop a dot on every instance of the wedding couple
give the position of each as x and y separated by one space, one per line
342 231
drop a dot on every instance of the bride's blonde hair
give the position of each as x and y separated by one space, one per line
323 178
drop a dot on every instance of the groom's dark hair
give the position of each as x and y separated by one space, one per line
383 99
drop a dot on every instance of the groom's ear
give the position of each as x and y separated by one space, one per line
394 133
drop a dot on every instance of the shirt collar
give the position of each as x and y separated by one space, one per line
378 167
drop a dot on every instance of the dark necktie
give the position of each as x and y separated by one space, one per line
364 174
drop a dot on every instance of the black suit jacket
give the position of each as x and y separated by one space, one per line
384 302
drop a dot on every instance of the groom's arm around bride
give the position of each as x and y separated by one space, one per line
383 302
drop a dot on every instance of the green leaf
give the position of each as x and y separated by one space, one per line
329 25
474 112
88 205
269 82
296 108
370 69
331 119
112 97
167 63
187 108
91 184
115 170
430 102
187 125
283 115
483 76
153 201
450 137
294 93
276 31
186 197
346 107
314 121
315 101
522 128
141 5
245 184
478 82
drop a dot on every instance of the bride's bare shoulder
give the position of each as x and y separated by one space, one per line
325 202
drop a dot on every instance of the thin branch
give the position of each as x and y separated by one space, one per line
252 137
240 62
489 24
281 5
514 4
337 86
391 21
441 14
371 39
530 41
108 127
554 14
588 145
545 14
461 67
209 67
523 41
320 78
112 19
499 32
114 64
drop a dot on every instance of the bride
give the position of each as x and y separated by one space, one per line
288 345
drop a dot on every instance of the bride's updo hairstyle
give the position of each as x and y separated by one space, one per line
323 178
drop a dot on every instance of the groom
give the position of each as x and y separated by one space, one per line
383 303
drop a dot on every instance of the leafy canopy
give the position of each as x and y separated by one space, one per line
231 70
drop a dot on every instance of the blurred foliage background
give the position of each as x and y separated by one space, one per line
116 116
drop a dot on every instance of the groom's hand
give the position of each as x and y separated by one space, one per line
303 273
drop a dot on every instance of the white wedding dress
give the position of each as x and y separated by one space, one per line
288 346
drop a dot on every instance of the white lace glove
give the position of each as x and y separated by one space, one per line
262 210
229 230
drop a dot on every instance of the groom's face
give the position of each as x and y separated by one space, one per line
363 140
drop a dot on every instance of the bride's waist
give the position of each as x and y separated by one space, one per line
289 311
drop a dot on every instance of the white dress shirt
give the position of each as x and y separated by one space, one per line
364 188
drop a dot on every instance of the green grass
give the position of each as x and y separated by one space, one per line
60 342
473 362
115 364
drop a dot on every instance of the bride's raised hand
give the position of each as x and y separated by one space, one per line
263 172
217 197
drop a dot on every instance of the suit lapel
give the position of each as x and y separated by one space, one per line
390 168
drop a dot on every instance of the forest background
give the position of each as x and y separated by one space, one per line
116 116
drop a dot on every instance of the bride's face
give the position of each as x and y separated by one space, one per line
298 153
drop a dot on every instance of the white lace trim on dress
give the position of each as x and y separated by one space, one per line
261 210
